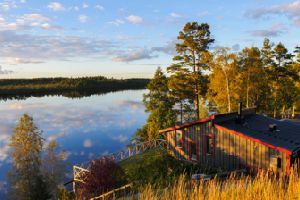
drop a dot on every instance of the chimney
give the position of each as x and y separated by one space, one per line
240 113
273 127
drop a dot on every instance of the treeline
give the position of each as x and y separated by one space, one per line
69 87
201 81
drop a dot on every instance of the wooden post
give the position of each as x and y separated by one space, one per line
122 155
129 151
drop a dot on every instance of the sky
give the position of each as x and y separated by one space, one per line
128 39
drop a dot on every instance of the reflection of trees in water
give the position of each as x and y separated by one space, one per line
76 88
70 94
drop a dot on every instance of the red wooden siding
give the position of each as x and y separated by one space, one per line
231 150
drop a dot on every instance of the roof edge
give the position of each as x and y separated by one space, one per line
188 124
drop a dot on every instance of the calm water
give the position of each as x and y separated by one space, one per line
85 128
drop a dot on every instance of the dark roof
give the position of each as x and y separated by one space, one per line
257 127
295 121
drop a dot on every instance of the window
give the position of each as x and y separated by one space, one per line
209 144
193 151
275 162
279 163
179 138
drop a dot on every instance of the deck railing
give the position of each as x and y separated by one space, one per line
131 150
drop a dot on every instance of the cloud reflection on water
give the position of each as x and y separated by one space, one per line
85 128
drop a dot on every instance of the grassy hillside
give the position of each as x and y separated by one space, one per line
235 188
155 167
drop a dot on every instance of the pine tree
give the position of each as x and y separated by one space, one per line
193 57
267 53
253 77
282 79
26 178
159 104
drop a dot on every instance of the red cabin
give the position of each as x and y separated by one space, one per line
238 140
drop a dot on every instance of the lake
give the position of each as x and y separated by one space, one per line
85 128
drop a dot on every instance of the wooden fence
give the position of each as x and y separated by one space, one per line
131 150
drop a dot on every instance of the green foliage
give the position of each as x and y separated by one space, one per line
69 87
224 86
155 167
253 76
159 104
187 80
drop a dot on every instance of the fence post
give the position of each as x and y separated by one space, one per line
129 151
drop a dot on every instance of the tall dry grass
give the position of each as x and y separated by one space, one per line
263 186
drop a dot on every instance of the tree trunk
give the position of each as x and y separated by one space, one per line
228 94
283 112
181 113
247 92
293 111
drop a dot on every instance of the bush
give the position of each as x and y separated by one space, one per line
105 175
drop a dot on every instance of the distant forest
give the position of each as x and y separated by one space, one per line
69 87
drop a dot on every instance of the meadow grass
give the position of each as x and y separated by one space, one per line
263 186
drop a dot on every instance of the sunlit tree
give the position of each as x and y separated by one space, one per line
27 181
224 86
253 76
191 60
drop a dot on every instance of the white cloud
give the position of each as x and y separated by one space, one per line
274 31
32 19
297 22
31 48
174 14
82 18
54 137
17 61
28 22
117 22
84 5
133 55
87 143
16 106
7 5
135 105
23 1
4 147
5 71
56 6
134 19
99 7
291 10
120 138
76 8
168 48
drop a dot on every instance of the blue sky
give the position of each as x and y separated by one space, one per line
130 38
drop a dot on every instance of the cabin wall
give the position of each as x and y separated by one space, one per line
238 152
228 151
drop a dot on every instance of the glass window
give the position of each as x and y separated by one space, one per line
193 151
